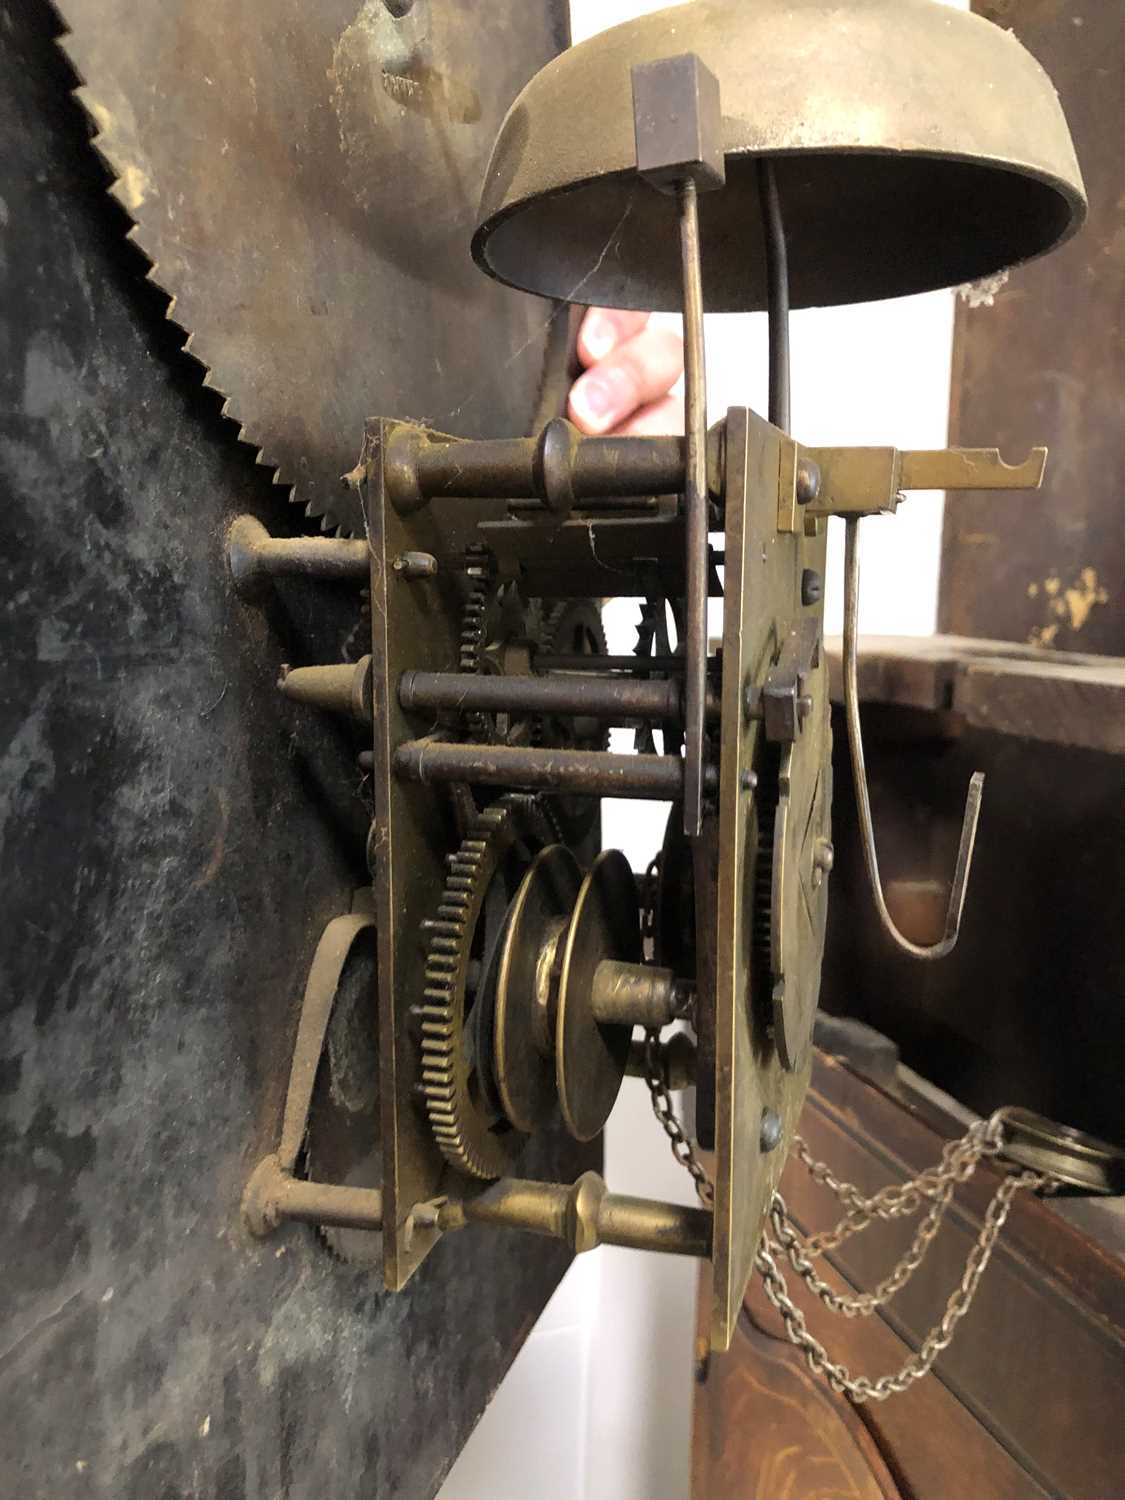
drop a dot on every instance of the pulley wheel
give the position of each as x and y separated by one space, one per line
590 1058
525 1050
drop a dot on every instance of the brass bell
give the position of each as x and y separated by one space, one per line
914 146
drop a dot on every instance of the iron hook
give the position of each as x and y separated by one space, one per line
859 774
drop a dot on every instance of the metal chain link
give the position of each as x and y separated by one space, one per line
935 1187
864 1303
959 1160
859 1388
664 1110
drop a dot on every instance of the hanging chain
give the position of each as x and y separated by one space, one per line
858 1387
656 1078
959 1160
933 1187
665 1111
801 1254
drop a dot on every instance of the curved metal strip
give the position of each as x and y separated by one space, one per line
331 955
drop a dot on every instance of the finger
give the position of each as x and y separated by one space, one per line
664 418
642 370
603 329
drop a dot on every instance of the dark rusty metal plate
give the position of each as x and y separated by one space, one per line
304 179
174 836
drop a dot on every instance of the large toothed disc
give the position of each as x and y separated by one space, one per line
304 179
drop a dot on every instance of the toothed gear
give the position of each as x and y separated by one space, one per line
574 628
483 877
766 799
274 220
479 568
497 623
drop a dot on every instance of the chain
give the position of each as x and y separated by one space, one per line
959 1160
858 1387
935 1187
665 1112
801 1254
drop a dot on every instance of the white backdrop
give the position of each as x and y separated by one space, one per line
598 1403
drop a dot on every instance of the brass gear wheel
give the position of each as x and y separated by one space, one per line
462 1102
767 797
499 631
792 807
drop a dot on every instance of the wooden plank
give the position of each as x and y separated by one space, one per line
1040 1358
766 1426
1022 1403
1027 691
1046 364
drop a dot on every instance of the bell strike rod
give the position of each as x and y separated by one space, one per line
677 116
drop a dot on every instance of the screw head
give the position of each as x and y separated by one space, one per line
812 587
415 565
749 780
769 1137
808 481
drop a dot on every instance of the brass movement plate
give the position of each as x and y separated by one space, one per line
416 624
763 590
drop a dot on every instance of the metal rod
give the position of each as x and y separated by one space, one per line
777 278
273 1195
342 689
544 661
255 557
695 510
320 1203
585 1215
592 773
676 1059
561 467
859 774
615 700
625 994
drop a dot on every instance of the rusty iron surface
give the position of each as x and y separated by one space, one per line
1045 363
304 179
153 788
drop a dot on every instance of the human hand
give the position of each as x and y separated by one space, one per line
630 367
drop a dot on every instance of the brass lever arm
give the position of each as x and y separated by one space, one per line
872 481
859 773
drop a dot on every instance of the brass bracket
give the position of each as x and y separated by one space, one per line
873 481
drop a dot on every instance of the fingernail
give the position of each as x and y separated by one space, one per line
593 400
600 336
